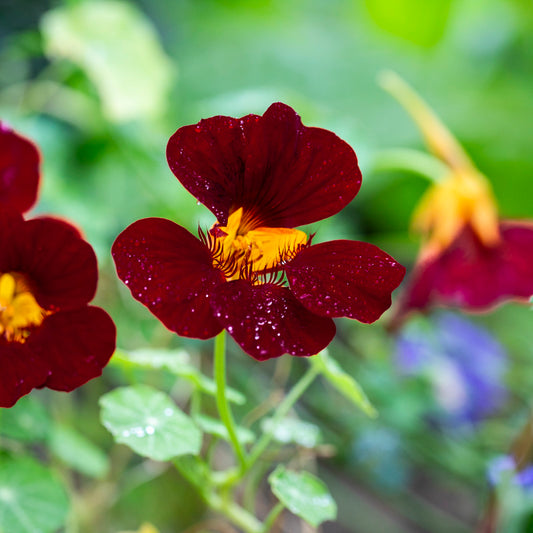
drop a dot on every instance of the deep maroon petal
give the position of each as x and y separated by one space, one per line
59 263
344 278
22 371
284 174
294 174
209 157
76 345
473 276
268 321
11 223
19 171
171 272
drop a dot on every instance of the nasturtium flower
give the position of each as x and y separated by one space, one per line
19 171
49 335
470 258
253 272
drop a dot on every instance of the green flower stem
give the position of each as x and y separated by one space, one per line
439 139
254 479
196 402
222 402
281 412
415 161
272 517
235 513
197 473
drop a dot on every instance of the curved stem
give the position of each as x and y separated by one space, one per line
420 163
439 139
270 520
240 517
222 402
194 470
281 412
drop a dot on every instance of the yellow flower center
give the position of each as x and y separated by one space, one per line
463 198
19 312
258 250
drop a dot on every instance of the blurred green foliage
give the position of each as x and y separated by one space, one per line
100 86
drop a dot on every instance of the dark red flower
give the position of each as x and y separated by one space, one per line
261 176
49 335
472 275
19 171
470 258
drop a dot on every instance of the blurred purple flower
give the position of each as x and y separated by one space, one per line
504 466
462 361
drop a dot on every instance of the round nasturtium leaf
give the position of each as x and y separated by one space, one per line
149 422
32 500
304 495
292 430
96 36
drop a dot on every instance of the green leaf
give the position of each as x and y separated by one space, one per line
215 427
293 430
304 495
27 420
343 382
172 360
32 500
177 362
119 50
423 22
149 422
78 452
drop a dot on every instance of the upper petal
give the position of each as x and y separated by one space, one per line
473 276
344 278
268 321
281 172
60 264
11 224
171 272
76 345
19 171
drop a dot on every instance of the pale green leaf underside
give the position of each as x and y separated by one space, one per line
304 495
292 430
32 500
149 422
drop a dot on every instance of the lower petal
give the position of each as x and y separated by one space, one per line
171 272
22 371
344 278
76 346
268 321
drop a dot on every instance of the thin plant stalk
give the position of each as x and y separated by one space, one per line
222 402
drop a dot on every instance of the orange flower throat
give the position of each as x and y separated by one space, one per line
241 250
19 311
463 198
